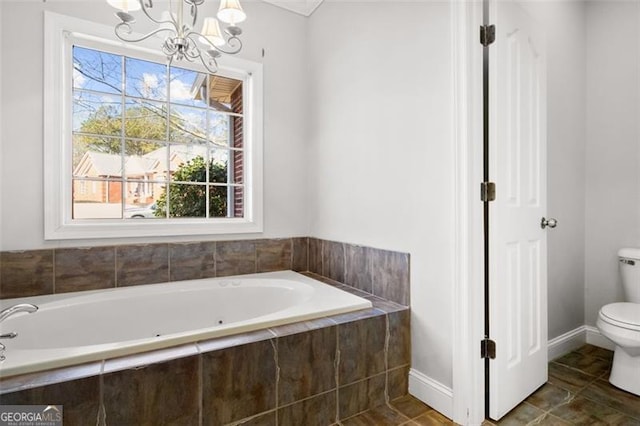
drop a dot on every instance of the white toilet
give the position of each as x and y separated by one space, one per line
620 322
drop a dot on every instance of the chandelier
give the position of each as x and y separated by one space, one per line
181 41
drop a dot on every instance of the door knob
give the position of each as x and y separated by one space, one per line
551 223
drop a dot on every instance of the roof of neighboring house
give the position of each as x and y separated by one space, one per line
99 164
179 154
220 90
102 164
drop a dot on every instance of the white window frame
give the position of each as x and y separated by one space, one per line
60 33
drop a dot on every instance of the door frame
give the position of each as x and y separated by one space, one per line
468 373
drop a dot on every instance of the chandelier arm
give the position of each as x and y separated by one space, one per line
125 28
231 41
145 10
210 64
193 52
194 13
169 49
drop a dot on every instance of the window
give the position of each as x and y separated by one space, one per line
135 146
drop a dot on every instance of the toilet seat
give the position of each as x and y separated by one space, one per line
625 315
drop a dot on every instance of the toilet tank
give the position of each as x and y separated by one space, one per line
630 270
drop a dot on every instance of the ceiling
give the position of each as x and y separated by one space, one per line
302 7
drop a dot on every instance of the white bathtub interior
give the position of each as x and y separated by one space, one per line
79 327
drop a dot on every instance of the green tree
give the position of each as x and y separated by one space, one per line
190 200
140 123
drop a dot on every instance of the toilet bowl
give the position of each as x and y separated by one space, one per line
620 323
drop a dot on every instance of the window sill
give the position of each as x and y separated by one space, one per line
151 228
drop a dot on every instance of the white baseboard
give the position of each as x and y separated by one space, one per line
567 342
573 339
431 392
596 339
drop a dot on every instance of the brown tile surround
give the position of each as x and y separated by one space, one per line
383 273
293 372
28 273
310 373
38 272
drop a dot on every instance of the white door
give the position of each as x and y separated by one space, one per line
518 244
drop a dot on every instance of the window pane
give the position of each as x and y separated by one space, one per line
151 141
95 199
188 163
160 200
139 195
96 156
225 94
188 125
98 114
185 200
219 172
147 159
146 79
219 128
143 211
93 70
218 201
188 87
146 120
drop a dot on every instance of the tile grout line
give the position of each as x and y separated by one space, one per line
255 416
306 398
344 262
290 253
387 339
102 412
276 360
336 369
578 370
200 386
309 254
115 266
53 268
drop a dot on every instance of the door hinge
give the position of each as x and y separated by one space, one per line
487 34
487 191
487 349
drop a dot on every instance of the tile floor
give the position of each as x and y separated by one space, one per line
577 393
405 410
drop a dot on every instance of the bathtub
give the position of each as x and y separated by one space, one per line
74 328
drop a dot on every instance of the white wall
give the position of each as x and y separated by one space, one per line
382 149
613 147
564 25
283 36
